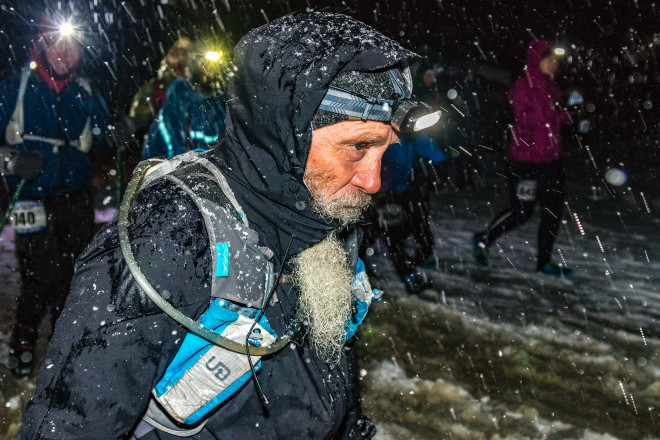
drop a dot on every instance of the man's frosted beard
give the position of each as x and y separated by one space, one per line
347 208
324 279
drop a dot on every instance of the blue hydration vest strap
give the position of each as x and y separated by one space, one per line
363 295
203 375
222 260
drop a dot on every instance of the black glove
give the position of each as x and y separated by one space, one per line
28 166
364 429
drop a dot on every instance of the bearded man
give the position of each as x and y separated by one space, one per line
253 240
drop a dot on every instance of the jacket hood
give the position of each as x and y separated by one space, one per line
535 54
283 71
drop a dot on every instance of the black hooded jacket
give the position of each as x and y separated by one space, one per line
112 344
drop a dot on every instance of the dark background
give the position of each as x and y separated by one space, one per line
613 56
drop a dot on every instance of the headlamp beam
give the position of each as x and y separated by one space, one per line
66 29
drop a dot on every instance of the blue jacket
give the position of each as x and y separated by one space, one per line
398 161
187 121
63 117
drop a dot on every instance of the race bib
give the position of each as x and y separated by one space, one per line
526 190
28 216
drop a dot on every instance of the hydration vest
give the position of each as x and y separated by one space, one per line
14 133
203 375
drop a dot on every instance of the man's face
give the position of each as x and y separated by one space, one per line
63 54
343 167
177 59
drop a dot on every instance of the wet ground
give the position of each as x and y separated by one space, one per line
13 393
499 352
504 352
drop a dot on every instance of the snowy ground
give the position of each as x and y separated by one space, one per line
506 353
502 352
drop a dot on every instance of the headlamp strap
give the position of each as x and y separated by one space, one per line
400 84
344 103
367 111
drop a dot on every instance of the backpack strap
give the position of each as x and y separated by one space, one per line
14 130
15 135
243 273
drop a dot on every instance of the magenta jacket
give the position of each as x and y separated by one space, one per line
537 125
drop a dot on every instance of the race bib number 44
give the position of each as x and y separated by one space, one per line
526 190
28 216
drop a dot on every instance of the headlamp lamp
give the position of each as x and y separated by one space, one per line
557 51
66 29
412 116
206 66
212 55
61 33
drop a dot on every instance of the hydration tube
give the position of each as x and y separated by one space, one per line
10 207
192 326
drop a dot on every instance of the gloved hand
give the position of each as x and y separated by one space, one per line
28 166
364 429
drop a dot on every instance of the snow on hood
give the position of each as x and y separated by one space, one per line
284 69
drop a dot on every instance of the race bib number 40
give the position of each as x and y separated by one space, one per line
28 216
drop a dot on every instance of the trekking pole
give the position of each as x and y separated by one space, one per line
10 207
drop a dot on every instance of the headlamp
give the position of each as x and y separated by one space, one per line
404 113
66 29
412 116
61 33
212 55
206 66
556 51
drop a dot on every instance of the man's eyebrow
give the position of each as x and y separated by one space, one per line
370 140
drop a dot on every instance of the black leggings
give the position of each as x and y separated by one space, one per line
400 216
530 183
46 258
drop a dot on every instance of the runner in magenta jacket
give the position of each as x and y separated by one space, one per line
536 133
536 173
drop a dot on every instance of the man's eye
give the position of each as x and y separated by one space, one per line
360 145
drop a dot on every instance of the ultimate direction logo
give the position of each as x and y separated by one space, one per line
222 372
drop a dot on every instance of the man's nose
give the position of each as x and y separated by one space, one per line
368 179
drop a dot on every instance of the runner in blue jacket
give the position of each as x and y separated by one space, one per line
48 112
411 171
193 116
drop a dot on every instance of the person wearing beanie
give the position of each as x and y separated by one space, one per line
131 130
193 115
223 303
536 171
149 98
54 123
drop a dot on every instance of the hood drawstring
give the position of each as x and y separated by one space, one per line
264 399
